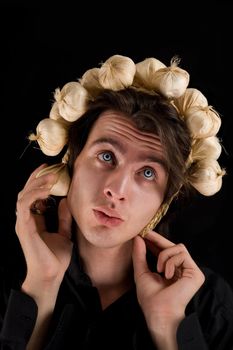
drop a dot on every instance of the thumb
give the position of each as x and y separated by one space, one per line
64 219
139 257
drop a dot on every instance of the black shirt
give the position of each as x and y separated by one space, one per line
78 321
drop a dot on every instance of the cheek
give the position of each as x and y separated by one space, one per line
85 183
142 213
145 210
145 204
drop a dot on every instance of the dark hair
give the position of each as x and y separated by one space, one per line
150 112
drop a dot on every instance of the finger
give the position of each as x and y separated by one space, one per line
34 173
46 181
183 268
64 218
177 261
33 226
29 197
24 213
139 257
160 241
166 254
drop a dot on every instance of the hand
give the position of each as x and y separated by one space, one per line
47 254
164 295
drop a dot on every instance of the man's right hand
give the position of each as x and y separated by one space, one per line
47 254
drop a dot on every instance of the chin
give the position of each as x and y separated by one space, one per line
102 237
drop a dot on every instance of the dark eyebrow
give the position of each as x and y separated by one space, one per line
120 147
154 159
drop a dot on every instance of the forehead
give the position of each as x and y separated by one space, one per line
117 126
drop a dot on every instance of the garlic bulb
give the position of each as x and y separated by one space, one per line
202 121
209 147
72 101
90 81
206 176
117 73
145 71
191 97
51 136
61 187
171 81
54 112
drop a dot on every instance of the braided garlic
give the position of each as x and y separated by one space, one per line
119 72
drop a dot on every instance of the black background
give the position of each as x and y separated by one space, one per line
43 47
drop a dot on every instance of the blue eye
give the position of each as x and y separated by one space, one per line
149 173
106 157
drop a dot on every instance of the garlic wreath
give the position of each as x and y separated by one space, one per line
119 72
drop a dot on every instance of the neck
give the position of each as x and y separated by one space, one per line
110 269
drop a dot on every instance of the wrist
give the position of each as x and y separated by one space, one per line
43 294
163 330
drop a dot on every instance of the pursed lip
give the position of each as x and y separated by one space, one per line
107 218
109 212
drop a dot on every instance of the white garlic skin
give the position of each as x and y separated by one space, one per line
190 98
171 81
72 100
145 71
208 147
207 176
51 136
202 121
90 81
117 73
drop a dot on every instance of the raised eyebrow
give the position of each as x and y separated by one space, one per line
157 160
111 141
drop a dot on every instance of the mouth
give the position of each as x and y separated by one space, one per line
107 220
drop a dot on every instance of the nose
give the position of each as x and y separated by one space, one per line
117 186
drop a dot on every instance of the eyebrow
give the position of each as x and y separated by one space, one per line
120 147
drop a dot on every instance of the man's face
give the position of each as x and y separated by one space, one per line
118 183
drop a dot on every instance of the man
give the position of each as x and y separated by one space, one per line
127 157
